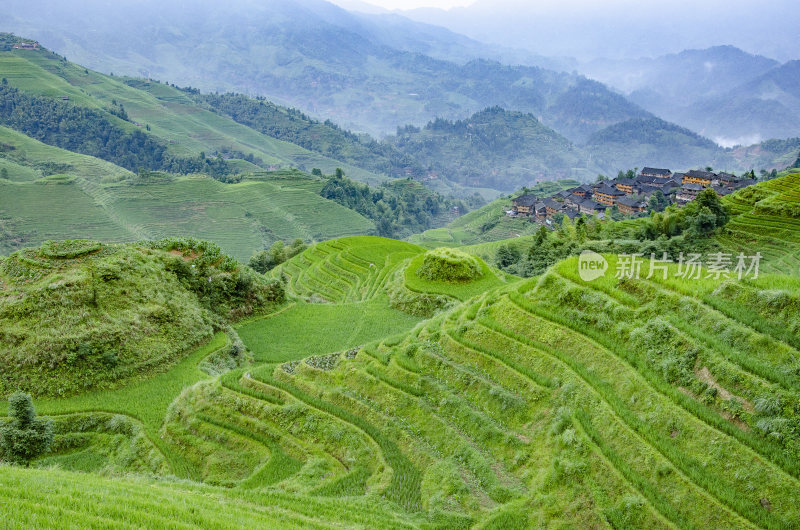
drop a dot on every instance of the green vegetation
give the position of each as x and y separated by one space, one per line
80 315
325 138
766 218
641 402
489 223
80 500
24 437
398 208
88 132
449 265
363 381
674 231
249 215
287 336
660 143
266 260
493 148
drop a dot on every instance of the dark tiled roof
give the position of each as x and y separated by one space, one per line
550 203
525 200
690 186
656 171
589 203
701 174
630 202
608 190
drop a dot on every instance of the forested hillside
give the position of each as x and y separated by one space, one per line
314 56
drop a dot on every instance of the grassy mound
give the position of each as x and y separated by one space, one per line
449 265
78 315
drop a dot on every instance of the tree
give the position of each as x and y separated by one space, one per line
25 437
704 222
708 198
261 262
507 255
658 202
3 173
581 232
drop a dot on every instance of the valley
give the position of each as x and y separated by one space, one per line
288 264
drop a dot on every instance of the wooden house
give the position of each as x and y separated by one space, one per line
631 206
523 205
704 178
656 172
607 195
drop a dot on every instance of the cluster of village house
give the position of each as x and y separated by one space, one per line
26 46
629 195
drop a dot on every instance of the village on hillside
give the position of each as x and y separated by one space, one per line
652 188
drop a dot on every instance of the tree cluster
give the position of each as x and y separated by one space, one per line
399 208
89 132
24 437
267 259
325 138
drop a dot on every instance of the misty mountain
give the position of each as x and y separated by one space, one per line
655 143
765 107
621 29
365 73
721 92
494 148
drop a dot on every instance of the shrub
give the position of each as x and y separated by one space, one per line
449 265
25 437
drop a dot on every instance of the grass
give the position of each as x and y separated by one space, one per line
288 336
171 115
766 218
540 402
94 203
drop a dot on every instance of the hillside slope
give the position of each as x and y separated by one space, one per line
80 315
91 198
493 148
766 218
163 113
630 402
312 55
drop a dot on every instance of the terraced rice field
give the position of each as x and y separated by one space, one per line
765 222
346 270
550 401
543 399
240 217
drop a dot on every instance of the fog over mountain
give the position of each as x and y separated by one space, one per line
365 72
587 29
722 92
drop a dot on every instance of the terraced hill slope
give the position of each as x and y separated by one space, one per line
643 403
169 113
766 218
622 402
488 223
69 500
92 198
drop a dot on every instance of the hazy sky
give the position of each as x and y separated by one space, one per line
412 4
